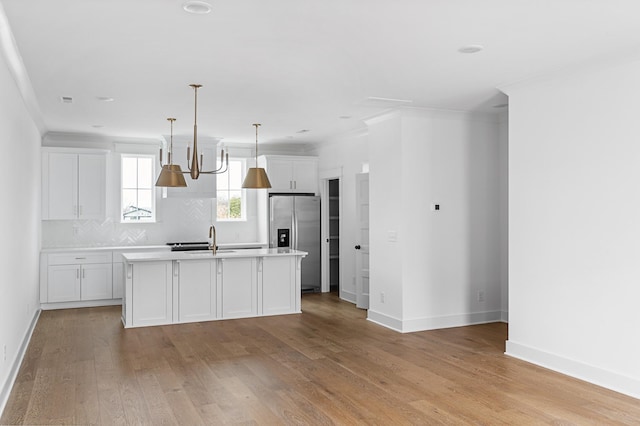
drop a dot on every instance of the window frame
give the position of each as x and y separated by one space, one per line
243 192
154 208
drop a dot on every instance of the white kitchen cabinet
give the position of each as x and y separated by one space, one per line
278 275
63 283
96 282
196 281
77 276
239 285
118 280
291 174
73 184
152 294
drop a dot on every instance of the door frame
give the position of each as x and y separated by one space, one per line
362 298
325 176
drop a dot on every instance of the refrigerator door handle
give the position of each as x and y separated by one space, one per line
294 226
271 239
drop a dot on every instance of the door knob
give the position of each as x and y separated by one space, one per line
358 247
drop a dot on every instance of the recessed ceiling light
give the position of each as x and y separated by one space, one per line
500 105
471 48
345 117
105 99
303 131
66 99
97 126
197 7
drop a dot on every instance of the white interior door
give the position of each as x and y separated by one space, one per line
362 246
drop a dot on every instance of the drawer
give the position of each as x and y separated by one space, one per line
80 258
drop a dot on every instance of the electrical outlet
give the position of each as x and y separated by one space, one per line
382 297
480 295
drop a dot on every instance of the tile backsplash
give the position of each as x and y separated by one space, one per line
179 220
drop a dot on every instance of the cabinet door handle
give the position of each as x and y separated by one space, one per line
295 184
176 268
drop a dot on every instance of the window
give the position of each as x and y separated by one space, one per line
138 193
231 199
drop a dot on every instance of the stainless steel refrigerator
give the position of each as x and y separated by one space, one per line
294 222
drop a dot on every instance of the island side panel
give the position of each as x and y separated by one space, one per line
151 293
278 285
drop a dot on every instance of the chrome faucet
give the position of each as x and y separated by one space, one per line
212 236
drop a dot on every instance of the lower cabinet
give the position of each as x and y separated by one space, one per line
239 283
73 277
196 281
118 280
152 295
96 282
64 283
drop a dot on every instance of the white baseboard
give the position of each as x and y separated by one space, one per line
5 391
348 296
597 376
433 323
80 304
384 320
504 316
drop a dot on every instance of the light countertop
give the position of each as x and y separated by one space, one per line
207 254
163 247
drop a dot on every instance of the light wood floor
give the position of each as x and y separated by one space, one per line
326 366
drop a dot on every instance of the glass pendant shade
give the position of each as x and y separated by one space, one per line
256 179
171 176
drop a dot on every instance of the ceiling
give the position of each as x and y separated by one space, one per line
307 70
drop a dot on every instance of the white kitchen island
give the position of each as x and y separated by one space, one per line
179 287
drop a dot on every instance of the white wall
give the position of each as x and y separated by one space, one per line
19 225
574 225
349 153
503 170
432 273
386 268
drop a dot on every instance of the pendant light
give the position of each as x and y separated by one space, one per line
194 164
170 174
256 176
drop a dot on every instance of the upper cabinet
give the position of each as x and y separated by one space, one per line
292 174
73 184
